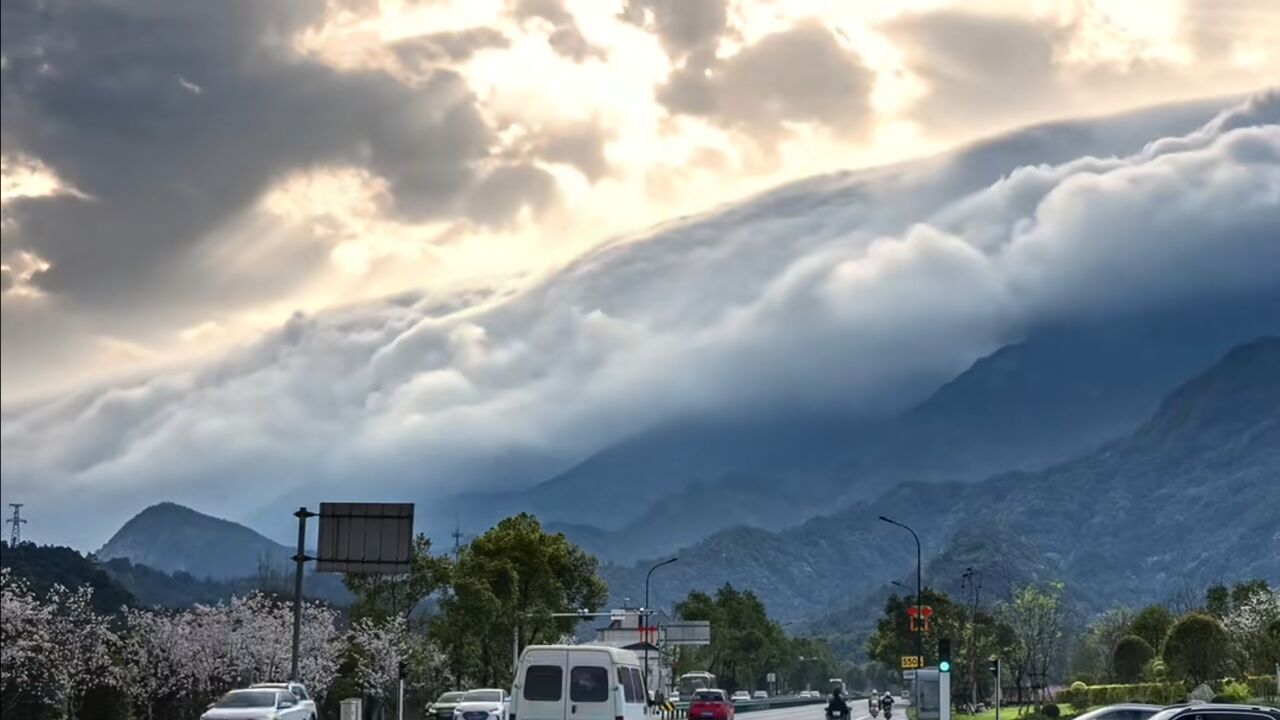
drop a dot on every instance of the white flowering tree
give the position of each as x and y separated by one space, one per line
378 649
153 650
319 646
1252 625
24 633
80 648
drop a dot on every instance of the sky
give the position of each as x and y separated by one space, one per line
180 177
257 252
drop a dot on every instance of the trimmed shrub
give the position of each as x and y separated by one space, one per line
1051 711
1235 692
1131 655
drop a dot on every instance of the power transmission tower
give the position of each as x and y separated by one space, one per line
15 535
457 540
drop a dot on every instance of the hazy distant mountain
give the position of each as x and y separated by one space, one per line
1187 499
173 538
1061 393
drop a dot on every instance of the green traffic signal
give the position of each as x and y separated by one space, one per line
944 666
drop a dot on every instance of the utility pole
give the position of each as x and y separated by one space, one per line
300 560
15 535
969 581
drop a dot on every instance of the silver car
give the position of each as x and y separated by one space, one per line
256 705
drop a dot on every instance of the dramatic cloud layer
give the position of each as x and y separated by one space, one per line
834 291
180 175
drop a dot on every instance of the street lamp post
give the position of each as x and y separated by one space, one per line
644 619
919 602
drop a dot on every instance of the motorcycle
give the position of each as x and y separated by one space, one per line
838 712
888 713
875 708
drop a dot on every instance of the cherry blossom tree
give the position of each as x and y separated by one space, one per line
378 649
80 647
153 650
1254 626
24 633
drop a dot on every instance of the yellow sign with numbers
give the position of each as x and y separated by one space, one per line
912 662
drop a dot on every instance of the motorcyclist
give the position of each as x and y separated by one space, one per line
837 706
886 703
874 704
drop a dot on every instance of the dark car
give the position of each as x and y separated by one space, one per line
1217 711
1122 711
442 708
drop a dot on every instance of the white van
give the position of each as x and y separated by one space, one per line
578 682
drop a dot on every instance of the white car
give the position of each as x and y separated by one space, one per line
741 696
299 691
760 695
257 705
482 704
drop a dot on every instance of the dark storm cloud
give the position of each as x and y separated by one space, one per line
566 37
802 74
979 67
174 117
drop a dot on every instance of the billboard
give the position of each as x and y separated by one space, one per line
365 537
689 632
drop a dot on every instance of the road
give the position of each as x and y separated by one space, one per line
817 712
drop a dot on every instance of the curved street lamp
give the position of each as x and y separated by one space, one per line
644 619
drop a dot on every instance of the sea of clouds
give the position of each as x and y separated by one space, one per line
833 292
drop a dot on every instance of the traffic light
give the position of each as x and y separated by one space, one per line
944 654
995 666
402 670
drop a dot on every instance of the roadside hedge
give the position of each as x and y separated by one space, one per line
1094 695
1080 695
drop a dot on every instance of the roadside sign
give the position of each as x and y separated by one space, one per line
770 677
365 538
912 662
688 632
908 674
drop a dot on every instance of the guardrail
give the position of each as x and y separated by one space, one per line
681 709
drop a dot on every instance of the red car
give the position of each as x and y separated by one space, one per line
710 705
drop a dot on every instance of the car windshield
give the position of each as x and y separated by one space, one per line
708 696
450 697
483 696
262 699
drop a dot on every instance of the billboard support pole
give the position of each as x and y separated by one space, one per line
300 560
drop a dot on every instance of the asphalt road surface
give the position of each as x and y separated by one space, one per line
861 711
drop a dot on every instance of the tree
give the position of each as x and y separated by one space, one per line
1152 624
745 643
508 582
80 648
24 633
1253 623
1037 617
1197 649
894 639
1131 656
1095 655
382 596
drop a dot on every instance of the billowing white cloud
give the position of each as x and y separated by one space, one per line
834 291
